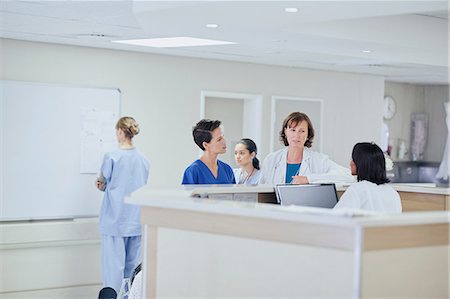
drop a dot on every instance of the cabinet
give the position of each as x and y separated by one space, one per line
413 202
419 197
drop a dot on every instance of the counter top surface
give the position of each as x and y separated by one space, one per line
215 189
421 188
180 199
428 188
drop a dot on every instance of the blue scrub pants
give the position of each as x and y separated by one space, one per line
120 256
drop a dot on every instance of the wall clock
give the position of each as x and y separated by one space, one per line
389 107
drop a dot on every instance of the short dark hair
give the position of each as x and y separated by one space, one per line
292 120
251 147
370 163
202 131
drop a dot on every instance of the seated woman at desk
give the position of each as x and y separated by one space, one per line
296 163
245 157
372 191
208 169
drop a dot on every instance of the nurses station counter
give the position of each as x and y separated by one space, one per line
195 247
423 197
414 197
418 196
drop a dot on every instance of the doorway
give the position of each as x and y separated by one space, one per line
240 114
283 106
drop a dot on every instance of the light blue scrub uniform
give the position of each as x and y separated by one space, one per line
253 180
125 170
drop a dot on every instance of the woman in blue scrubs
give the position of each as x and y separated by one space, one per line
123 171
208 169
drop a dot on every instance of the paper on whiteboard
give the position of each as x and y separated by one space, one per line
97 136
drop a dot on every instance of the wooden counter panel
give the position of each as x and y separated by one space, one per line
408 236
151 263
267 198
412 201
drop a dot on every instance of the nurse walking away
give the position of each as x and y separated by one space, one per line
296 163
123 171
245 156
208 169
371 193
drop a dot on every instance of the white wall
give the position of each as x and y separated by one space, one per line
55 259
163 94
412 98
231 113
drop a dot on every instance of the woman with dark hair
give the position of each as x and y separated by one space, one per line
245 156
296 163
208 169
372 191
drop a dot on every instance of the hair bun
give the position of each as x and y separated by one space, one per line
134 128
128 125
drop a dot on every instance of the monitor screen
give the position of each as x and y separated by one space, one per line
312 195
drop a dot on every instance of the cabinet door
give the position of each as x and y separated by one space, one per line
413 202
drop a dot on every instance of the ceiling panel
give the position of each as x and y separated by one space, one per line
408 40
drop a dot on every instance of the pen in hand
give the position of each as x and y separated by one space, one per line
299 180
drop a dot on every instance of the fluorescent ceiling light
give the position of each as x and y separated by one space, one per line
291 9
212 25
366 51
173 42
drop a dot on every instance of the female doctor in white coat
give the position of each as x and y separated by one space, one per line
297 164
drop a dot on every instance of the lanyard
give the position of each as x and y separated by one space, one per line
246 178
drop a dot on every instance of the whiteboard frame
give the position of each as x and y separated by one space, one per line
107 94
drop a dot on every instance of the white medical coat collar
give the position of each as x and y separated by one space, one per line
305 161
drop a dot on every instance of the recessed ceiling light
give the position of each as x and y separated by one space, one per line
93 35
212 25
291 9
173 42
366 51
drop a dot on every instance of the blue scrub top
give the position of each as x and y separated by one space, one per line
291 170
199 173
125 171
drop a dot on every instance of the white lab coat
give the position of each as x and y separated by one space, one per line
136 289
317 167
369 196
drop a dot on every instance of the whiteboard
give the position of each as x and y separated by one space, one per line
41 149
